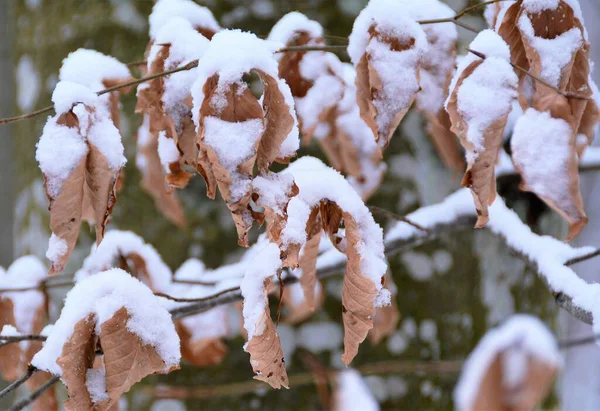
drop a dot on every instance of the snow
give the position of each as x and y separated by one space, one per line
57 248
102 295
167 151
318 182
67 94
292 24
231 54
547 253
61 148
353 393
537 6
90 68
274 190
24 272
95 382
518 339
437 61
264 264
539 135
555 54
186 45
123 243
9 331
165 10
488 93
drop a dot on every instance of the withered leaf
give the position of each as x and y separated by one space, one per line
10 354
558 186
386 318
358 295
201 353
266 355
153 182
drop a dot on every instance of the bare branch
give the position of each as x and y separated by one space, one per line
19 338
196 300
394 216
378 368
16 384
34 395
566 94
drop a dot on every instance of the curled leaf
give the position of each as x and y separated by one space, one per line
545 133
481 98
511 368
385 36
236 131
80 154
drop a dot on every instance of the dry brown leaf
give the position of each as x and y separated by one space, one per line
266 355
308 259
386 318
10 354
444 141
202 353
241 108
480 124
565 194
493 394
510 33
153 181
371 89
587 127
289 64
77 356
358 295
126 358
88 193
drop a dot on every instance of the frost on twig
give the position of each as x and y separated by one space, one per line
387 47
114 311
512 367
482 94
80 154
237 131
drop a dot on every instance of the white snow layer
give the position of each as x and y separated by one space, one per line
488 93
102 295
231 54
353 394
397 69
538 135
165 10
317 182
24 272
90 68
548 253
61 148
124 243
293 24
518 339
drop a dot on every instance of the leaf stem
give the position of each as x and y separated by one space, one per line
16 384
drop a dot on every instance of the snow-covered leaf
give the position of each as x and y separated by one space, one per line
481 98
512 368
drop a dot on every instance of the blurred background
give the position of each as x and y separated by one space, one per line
450 291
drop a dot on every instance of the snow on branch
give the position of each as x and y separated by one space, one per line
545 254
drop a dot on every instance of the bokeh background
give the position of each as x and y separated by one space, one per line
450 291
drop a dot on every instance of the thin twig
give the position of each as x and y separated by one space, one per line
197 300
44 285
137 63
576 260
566 94
394 216
18 338
293 49
195 282
16 384
296 380
579 342
34 395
